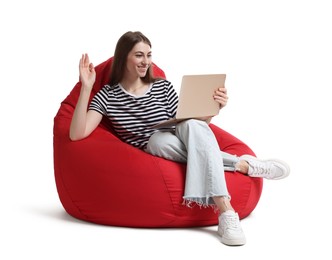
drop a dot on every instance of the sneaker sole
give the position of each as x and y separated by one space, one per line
276 160
232 242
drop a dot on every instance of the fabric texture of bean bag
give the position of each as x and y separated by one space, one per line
103 180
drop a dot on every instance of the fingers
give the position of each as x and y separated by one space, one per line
86 69
221 93
221 90
221 96
91 67
81 61
84 61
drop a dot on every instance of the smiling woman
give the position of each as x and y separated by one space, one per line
133 100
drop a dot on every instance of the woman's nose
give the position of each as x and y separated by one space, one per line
146 61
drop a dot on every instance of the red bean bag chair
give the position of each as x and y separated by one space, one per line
103 180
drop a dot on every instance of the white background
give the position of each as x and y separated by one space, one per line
277 56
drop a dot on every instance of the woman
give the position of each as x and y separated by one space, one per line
134 101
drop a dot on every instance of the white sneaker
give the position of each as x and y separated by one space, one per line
272 169
230 230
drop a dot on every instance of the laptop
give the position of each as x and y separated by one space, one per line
196 98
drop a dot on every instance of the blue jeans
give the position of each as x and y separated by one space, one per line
194 143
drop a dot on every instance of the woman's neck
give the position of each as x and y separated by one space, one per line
136 87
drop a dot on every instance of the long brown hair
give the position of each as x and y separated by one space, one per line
124 45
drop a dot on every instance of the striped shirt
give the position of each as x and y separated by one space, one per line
133 116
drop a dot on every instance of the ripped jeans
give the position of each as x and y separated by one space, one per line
194 143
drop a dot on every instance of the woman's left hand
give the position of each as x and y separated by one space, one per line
220 95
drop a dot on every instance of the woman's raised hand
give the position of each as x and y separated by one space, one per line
87 72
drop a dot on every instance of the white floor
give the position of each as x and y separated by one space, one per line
277 56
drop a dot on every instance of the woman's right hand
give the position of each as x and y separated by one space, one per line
87 72
84 121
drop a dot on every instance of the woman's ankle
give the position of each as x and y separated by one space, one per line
223 204
242 167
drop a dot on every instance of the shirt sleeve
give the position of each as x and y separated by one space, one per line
99 101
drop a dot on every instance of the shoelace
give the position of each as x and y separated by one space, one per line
261 168
232 222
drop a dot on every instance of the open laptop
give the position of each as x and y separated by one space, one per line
196 98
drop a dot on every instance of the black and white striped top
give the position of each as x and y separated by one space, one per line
133 116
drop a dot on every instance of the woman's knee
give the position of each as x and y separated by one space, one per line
160 141
154 143
166 145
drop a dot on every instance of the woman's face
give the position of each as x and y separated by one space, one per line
139 60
